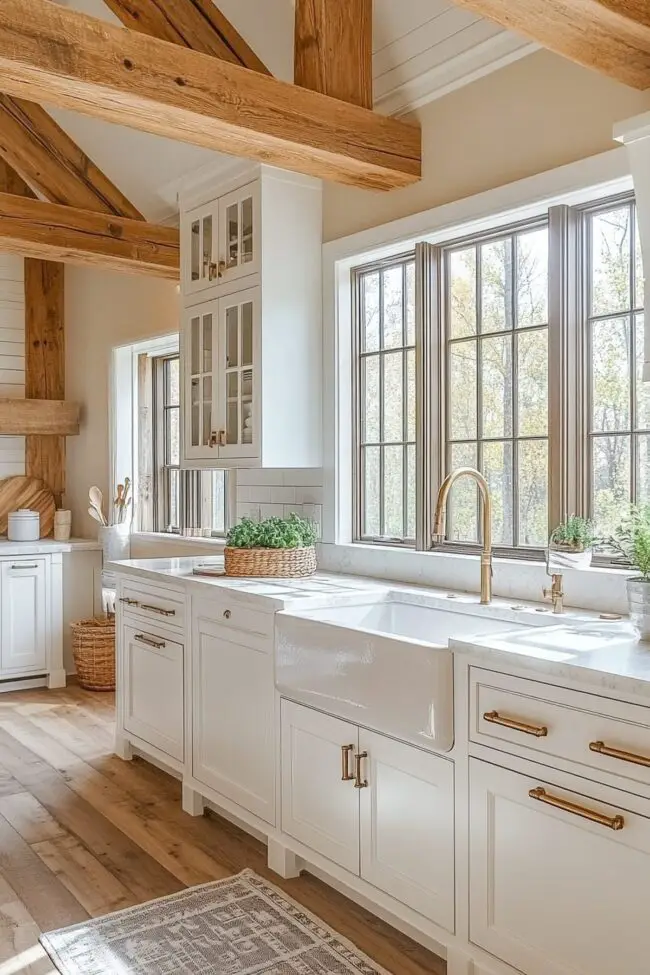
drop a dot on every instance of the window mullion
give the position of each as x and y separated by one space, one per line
567 409
429 396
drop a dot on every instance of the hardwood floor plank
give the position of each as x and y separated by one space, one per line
95 887
120 835
31 820
50 904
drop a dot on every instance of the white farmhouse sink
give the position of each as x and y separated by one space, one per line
382 661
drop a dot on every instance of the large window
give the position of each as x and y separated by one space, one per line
527 366
183 502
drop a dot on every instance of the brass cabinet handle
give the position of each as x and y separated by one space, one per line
537 730
612 822
156 644
346 774
129 602
223 439
359 783
214 439
603 749
159 610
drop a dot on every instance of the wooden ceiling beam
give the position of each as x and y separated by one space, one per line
611 36
197 24
53 232
333 49
51 163
56 55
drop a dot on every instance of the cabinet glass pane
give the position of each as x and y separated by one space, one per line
195 346
247 230
247 334
207 245
247 406
232 409
207 409
195 251
232 234
196 413
207 343
232 337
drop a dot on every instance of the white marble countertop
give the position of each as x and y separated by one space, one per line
45 546
577 646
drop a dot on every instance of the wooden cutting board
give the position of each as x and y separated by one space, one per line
27 492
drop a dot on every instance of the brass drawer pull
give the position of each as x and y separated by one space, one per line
129 602
346 774
537 730
359 783
25 565
159 610
612 822
603 749
156 644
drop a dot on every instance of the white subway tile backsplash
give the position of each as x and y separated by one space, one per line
292 509
304 477
271 511
251 511
309 495
283 495
314 513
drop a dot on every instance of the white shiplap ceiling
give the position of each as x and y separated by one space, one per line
422 49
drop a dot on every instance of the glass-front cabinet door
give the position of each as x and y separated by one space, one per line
200 363
239 233
238 389
200 248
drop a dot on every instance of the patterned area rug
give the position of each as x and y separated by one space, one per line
238 926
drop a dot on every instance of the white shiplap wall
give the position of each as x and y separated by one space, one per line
12 354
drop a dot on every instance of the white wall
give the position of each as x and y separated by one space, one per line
12 354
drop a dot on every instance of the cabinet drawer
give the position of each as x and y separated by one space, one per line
152 604
233 616
152 686
543 720
559 872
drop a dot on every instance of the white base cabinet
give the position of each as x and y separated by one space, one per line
551 892
31 618
381 809
153 683
233 695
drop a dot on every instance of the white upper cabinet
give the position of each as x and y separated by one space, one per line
251 339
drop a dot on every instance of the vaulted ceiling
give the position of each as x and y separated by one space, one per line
422 49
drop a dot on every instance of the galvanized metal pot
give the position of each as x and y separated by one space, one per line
638 594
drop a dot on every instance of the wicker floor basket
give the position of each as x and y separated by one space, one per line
93 646
280 563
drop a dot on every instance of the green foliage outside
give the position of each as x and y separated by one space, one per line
291 532
632 539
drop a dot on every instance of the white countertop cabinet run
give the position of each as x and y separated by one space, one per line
251 323
523 848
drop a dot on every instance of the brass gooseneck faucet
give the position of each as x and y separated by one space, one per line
439 522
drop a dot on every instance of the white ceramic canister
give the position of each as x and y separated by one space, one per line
23 526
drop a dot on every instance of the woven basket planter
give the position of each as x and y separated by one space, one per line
93 646
281 563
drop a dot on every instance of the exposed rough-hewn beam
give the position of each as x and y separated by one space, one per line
611 36
64 58
60 233
333 48
45 370
197 24
47 417
38 149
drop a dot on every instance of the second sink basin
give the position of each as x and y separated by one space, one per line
383 660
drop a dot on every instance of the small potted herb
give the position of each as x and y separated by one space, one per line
571 543
632 541
281 547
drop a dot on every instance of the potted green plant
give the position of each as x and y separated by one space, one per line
280 547
632 540
571 543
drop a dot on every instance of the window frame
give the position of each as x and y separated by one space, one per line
569 440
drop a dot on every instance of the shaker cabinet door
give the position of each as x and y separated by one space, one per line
559 878
152 690
23 616
199 246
